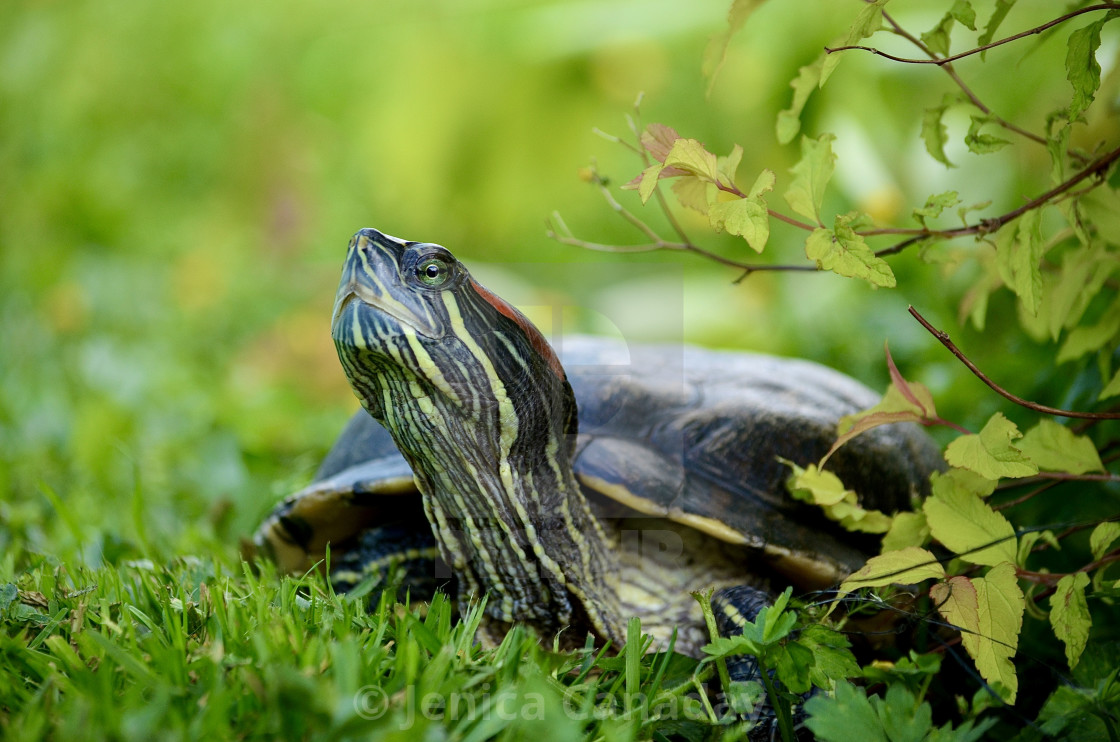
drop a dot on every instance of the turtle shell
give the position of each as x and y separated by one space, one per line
691 435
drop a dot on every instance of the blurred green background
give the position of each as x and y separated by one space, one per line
178 183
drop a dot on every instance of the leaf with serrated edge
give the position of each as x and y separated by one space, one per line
1020 259
989 612
1082 69
903 567
990 452
789 120
691 156
817 486
869 20
658 140
1069 615
811 175
745 217
844 252
963 522
1054 447
934 133
1102 537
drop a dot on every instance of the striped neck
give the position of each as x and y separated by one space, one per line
479 406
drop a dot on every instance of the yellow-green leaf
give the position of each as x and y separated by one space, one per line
1102 538
903 567
764 183
716 51
915 404
691 156
990 452
869 20
824 489
789 120
907 529
648 182
745 217
694 193
989 612
1054 447
1082 69
811 175
1019 258
1069 615
845 253
965 523
1088 338
1112 388
816 486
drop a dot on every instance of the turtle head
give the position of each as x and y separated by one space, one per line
478 404
410 323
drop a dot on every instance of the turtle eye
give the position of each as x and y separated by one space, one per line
433 272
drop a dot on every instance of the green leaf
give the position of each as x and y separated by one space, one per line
716 52
744 217
989 612
1103 537
1082 69
1019 259
789 120
998 14
935 205
968 525
907 529
1083 273
1112 388
833 657
1054 447
1069 615
1029 539
824 489
869 20
937 38
816 486
903 567
845 253
934 133
895 407
990 453
979 143
811 175
794 666
963 12
1088 338
845 716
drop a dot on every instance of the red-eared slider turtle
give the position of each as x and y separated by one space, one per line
667 479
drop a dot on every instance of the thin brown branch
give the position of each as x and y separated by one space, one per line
987 226
943 337
942 61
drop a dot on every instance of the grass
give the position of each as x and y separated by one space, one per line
198 650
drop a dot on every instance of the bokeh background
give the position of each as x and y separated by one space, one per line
178 182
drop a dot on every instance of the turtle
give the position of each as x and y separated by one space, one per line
580 482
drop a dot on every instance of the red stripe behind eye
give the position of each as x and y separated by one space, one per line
536 339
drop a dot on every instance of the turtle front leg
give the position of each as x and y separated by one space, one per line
733 608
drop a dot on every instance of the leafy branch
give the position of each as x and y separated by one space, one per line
941 61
